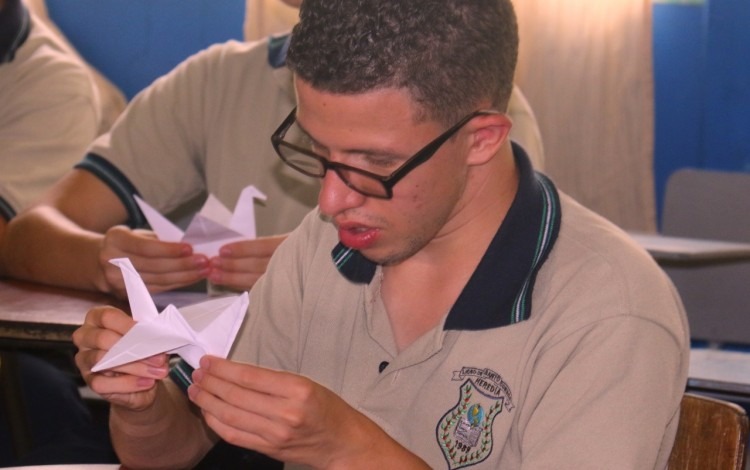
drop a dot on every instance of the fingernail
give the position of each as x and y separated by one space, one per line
145 382
157 361
157 372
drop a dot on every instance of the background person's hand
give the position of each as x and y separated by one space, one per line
240 264
162 265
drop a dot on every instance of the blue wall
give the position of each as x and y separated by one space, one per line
135 41
702 87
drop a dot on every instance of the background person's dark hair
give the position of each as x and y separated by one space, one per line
449 54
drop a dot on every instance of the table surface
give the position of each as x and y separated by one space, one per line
719 370
666 248
35 312
30 311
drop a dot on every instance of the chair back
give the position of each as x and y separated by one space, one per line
712 205
707 204
712 434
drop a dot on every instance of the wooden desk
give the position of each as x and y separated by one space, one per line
678 249
34 312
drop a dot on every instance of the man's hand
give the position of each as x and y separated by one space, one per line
290 418
132 386
240 264
162 265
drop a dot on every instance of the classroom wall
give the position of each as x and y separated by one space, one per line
702 86
133 42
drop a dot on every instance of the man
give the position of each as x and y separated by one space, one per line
470 315
203 128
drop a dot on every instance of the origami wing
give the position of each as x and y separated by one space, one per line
215 324
162 227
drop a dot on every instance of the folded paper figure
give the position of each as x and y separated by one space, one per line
191 332
211 228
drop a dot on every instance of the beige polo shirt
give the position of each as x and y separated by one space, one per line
48 117
564 352
206 128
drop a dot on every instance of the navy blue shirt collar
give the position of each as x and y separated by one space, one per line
277 49
499 292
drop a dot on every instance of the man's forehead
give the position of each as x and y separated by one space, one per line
391 104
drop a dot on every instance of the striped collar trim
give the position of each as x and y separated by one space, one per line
499 291
118 183
277 49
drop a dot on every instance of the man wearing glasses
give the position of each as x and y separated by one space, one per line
445 306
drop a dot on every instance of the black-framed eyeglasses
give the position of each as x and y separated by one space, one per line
296 151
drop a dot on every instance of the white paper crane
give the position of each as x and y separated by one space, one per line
213 227
191 332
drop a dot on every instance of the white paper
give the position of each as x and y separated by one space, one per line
211 228
196 330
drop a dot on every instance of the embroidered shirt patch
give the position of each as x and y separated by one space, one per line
465 431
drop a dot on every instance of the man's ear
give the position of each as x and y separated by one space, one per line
489 133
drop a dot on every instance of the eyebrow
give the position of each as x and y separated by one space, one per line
366 152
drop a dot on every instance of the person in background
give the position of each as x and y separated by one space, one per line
50 109
49 114
445 306
110 98
203 128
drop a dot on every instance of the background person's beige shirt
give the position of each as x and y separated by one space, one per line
49 114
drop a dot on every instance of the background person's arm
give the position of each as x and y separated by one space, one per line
57 241
68 238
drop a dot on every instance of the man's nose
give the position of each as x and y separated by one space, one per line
335 196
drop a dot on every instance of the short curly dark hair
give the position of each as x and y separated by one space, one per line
449 54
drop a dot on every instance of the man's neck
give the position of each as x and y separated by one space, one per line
419 292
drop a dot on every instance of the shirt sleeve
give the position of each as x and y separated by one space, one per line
610 403
47 121
159 142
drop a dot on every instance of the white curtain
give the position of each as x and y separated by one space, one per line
586 68
265 17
